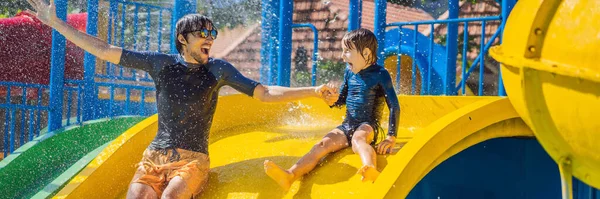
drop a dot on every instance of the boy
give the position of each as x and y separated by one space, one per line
366 85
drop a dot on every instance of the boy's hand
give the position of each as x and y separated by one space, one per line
46 12
385 147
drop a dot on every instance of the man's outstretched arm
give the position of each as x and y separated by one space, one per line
283 94
46 12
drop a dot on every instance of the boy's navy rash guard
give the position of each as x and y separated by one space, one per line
363 94
186 96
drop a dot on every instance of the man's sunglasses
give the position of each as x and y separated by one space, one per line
204 33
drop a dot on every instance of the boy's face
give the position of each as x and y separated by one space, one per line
198 44
354 58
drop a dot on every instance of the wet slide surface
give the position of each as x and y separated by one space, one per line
246 132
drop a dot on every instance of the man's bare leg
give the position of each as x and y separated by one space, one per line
333 141
362 136
177 188
139 190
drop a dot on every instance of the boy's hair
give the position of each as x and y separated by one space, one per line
362 38
189 23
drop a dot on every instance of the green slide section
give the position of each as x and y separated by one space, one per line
38 166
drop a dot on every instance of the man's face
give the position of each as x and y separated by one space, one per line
199 43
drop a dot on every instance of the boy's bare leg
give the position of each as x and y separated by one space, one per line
333 141
360 144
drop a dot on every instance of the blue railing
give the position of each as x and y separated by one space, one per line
125 105
30 112
148 29
315 49
465 74
155 35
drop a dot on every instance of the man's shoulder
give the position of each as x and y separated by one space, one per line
218 62
156 57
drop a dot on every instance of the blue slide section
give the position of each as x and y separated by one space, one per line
406 37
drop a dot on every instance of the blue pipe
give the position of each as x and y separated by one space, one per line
355 16
414 61
89 63
12 129
507 6
481 63
148 28
142 102
285 43
160 24
264 41
181 8
6 116
315 49
445 21
451 45
380 21
69 105
274 41
31 120
464 55
430 65
399 59
57 71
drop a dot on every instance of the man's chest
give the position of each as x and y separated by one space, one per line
182 84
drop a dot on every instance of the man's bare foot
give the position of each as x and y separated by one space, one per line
369 173
282 177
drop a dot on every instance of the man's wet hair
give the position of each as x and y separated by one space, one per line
362 39
189 23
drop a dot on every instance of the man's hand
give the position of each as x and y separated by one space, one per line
385 147
46 12
328 92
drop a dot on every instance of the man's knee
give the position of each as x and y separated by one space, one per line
176 195
177 190
138 190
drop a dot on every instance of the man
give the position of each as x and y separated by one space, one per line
176 163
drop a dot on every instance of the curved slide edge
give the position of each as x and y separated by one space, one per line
442 139
115 156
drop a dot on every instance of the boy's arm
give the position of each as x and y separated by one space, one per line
392 102
343 92
47 14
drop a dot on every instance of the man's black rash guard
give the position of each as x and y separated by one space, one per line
186 96
363 94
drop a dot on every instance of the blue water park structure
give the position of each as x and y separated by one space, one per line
117 91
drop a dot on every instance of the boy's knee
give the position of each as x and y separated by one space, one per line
365 127
325 145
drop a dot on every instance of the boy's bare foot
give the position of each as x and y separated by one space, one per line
369 173
282 177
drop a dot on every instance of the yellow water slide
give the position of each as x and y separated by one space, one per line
246 132
549 65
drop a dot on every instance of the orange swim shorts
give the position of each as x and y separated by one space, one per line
158 167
